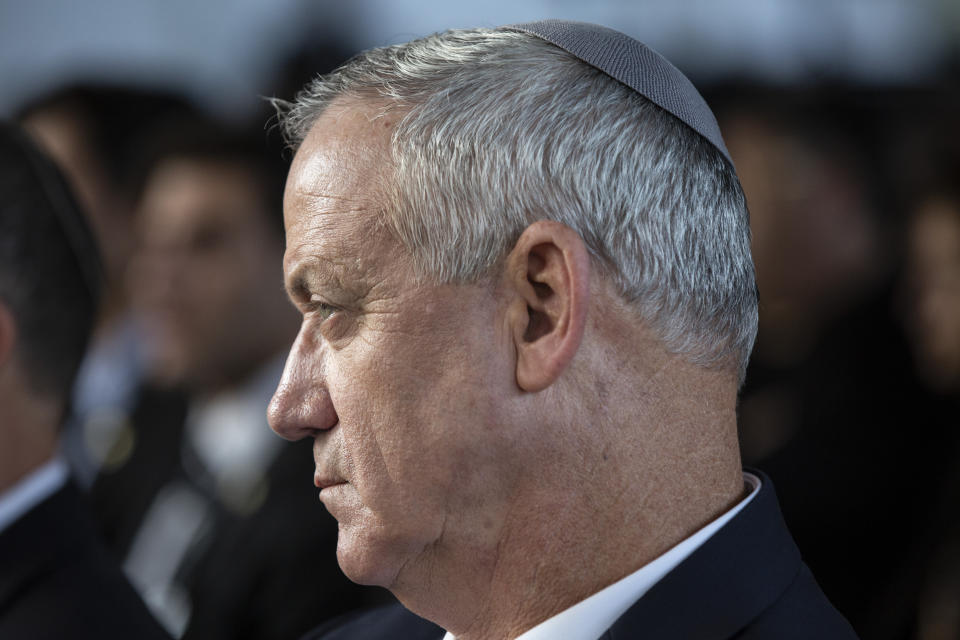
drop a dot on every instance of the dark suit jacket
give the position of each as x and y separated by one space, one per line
57 581
747 582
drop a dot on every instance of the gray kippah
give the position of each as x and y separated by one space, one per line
635 65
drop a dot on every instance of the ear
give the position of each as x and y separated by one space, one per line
548 276
8 333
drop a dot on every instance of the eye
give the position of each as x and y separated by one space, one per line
321 308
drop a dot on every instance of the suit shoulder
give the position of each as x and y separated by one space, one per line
802 612
383 623
59 582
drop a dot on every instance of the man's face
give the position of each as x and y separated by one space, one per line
404 387
205 277
933 270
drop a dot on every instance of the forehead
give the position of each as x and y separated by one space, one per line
337 188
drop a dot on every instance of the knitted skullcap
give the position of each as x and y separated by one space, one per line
634 64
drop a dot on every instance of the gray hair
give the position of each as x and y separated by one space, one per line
500 129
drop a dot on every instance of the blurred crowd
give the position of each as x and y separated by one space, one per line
212 516
851 402
852 398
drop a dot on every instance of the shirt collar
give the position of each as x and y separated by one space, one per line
31 490
229 431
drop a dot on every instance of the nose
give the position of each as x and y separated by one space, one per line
301 406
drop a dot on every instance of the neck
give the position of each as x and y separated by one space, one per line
642 481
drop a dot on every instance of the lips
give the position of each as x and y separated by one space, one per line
322 481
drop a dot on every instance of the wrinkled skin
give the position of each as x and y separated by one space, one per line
407 389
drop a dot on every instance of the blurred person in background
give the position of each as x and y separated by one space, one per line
210 511
832 407
932 316
816 239
92 132
56 579
932 313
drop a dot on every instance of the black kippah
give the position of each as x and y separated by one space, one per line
635 65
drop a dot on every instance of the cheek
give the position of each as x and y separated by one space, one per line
403 412
382 415
420 404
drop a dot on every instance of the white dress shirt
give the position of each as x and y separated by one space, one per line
590 618
31 490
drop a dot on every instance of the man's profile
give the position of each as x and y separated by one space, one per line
528 301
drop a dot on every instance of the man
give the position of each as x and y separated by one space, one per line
56 581
522 261
207 509
932 319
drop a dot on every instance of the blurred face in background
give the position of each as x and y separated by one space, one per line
815 242
933 272
207 281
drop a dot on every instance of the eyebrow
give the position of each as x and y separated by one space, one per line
313 274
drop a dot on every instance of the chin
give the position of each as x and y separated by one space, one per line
373 561
360 561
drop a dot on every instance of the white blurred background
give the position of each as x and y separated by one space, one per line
225 52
